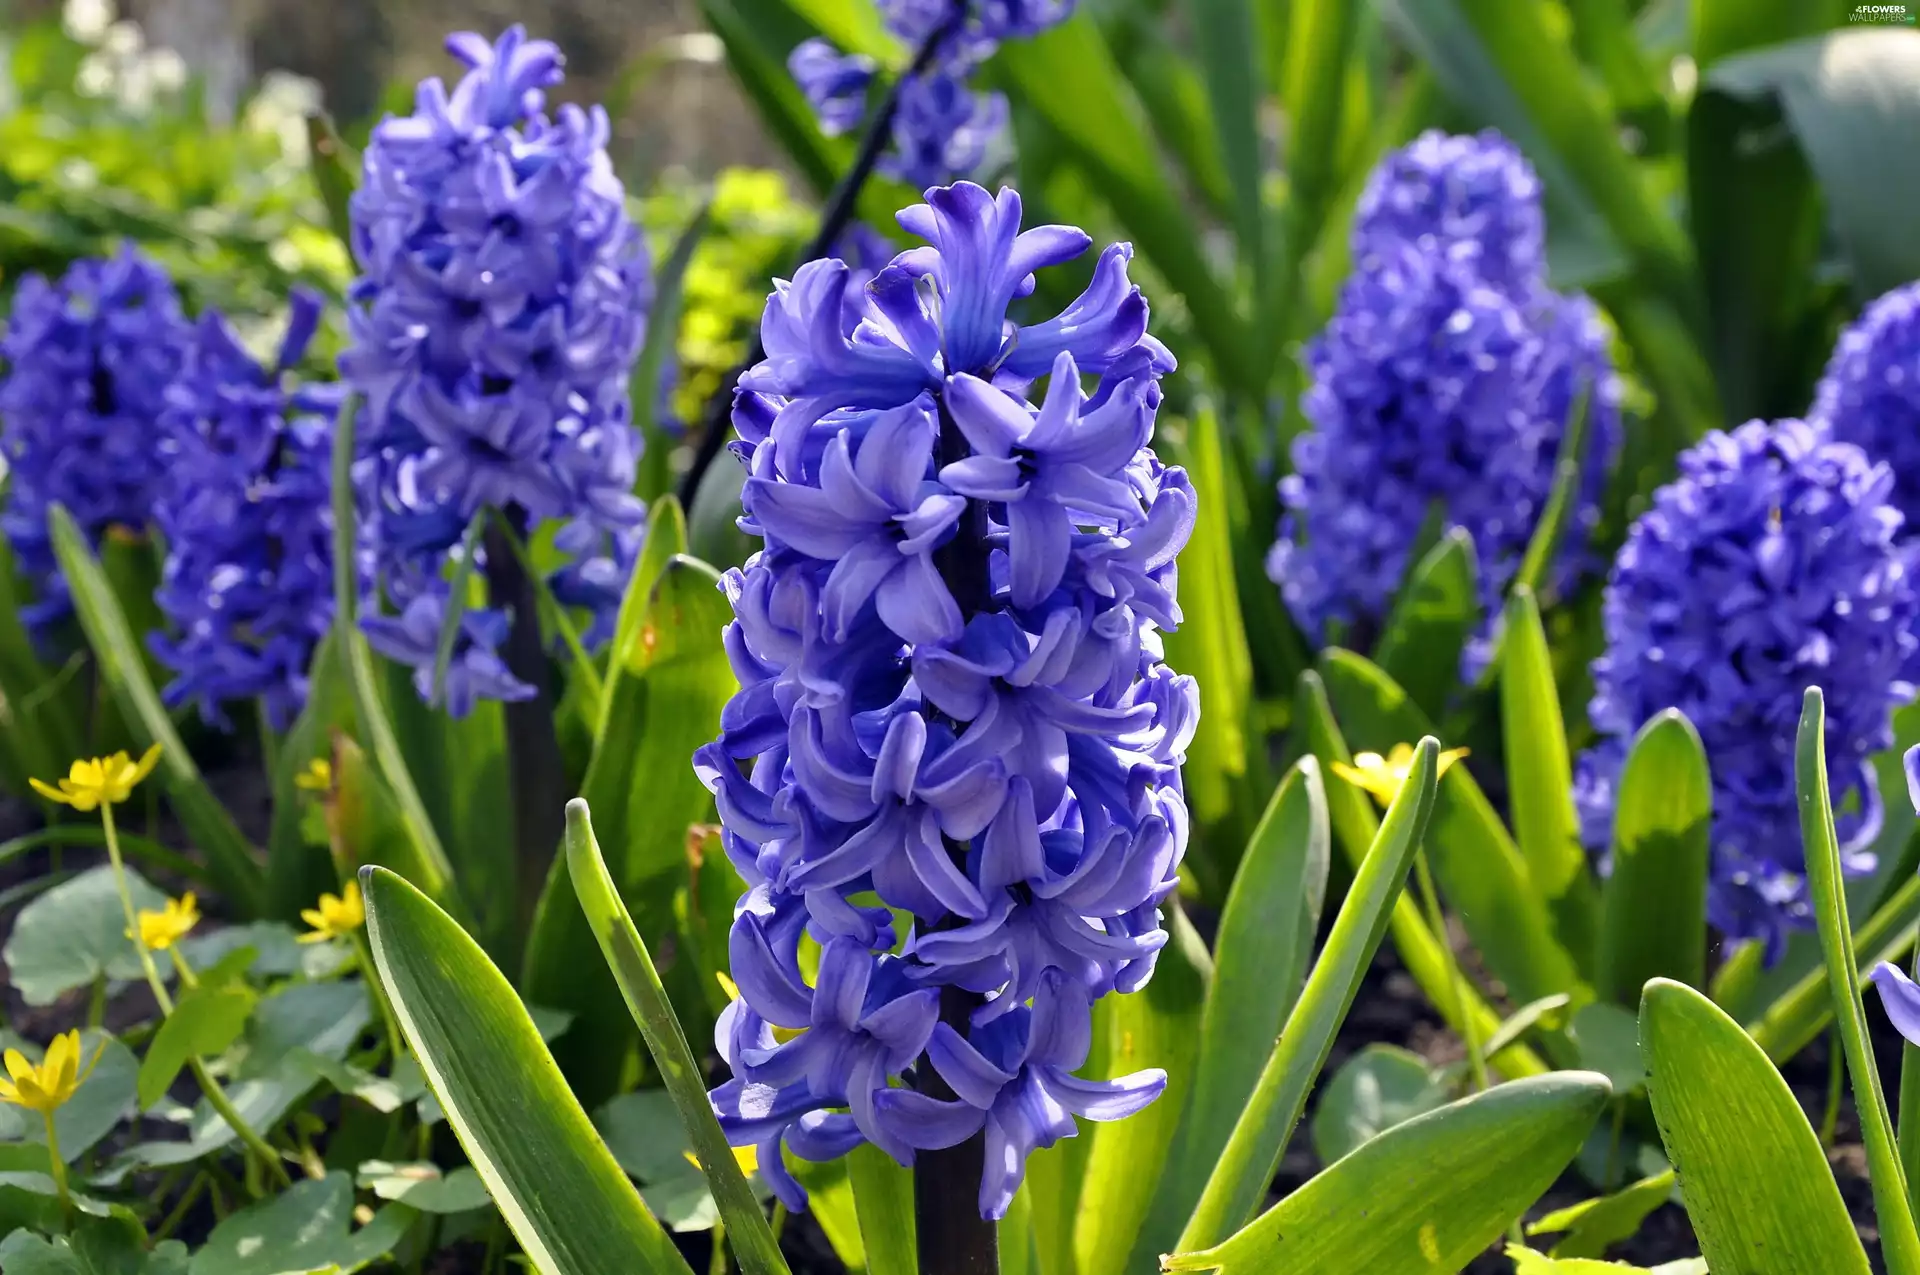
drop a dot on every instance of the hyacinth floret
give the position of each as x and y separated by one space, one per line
1870 392
942 127
244 507
88 359
953 700
1773 563
1445 380
502 300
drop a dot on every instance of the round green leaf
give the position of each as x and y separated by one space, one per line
74 934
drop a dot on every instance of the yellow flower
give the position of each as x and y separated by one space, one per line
100 781
1383 776
317 777
161 930
747 1157
47 1087
336 917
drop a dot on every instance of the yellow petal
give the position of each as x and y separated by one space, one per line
50 792
1400 757
9 1094
727 985
316 936
84 773
148 760
17 1065
315 918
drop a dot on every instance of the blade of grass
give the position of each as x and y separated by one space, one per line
753 1243
1899 1241
1239 1180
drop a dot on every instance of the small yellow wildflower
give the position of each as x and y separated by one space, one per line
336 917
100 781
1383 776
747 1157
161 930
317 777
59 1076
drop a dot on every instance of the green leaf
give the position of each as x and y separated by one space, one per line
1900 1243
336 171
633 969
1654 916
306 1228
96 1109
1480 870
643 1131
298 872
883 1202
1229 61
1432 618
830 1201
1754 212
424 1186
1754 1178
1320 68
1528 1262
853 28
459 595
1851 99
1539 772
1240 1178
1157 1026
205 1020
1355 825
74 934
560 1190
122 666
101 1248
665 696
648 388
1376 1089
1261 953
1608 1039
1592 1226
1069 77
1450 1180
432 870
1544 1013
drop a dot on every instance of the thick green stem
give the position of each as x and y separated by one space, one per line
216 1096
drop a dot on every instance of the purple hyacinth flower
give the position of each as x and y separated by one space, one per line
475 670
1870 392
1016 1077
1773 563
501 303
835 83
952 699
1900 996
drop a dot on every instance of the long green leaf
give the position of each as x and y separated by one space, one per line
883 1201
1654 913
1851 99
1899 1242
297 873
620 944
1754 211
1261 952
559 1188
336 171
1229 61
1481 871
124 670
649 391
1069 76
1425 1196
1318 67
1540 778
436 872
1431 620
1157 1026
1756 1183
1240 1178
1355 826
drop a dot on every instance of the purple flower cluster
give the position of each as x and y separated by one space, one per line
1444 381
952 700
244 507
942 127
502 301
88 361
1870 394
1773 563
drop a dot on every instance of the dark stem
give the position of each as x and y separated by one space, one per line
833 224
952 1237
535 768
